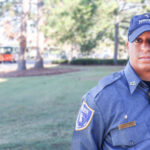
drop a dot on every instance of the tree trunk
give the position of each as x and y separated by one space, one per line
116 43
39 60
21 61
22 38
40 37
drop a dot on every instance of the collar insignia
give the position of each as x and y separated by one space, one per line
132 83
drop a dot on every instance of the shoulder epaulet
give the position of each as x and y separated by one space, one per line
106 81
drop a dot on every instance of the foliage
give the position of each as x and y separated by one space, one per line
86 23
72 22
14 10
82 25
10 11
90 61
62 61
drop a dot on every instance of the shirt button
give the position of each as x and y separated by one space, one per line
131 142
126 117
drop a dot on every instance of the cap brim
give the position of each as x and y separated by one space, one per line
138 32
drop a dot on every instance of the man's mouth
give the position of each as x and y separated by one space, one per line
146 58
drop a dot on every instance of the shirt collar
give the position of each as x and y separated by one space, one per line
132 78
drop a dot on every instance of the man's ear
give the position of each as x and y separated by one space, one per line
127 47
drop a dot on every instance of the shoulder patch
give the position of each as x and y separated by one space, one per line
84 117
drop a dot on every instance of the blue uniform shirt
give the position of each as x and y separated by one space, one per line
115 115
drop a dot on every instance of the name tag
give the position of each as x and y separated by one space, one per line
127 125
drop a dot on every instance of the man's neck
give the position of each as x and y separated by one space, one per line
142 71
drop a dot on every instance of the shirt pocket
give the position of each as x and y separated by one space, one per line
131 136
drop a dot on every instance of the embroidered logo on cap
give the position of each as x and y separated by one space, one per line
84 117
144 21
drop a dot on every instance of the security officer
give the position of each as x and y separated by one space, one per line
115 115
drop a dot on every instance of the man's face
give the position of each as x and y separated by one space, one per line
139 52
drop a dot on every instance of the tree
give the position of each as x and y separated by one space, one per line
85 23
22 37
11 8
71 22
121 13
17 7
126 7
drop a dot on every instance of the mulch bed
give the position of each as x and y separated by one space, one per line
37 72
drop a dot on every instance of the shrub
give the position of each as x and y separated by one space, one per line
91 61
61 61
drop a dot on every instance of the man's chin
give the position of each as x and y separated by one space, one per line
145 66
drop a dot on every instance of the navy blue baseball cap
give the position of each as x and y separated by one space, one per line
138 25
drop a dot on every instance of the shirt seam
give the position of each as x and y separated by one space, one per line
99 110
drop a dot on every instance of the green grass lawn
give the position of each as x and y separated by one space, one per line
39 113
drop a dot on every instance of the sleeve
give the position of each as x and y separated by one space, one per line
89 129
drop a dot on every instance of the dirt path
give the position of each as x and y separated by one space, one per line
37 72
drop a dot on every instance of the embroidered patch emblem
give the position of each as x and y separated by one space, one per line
84 117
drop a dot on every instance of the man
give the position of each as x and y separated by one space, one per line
115 115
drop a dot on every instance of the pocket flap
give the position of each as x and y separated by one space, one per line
130 136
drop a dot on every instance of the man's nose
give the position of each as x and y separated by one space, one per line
145 47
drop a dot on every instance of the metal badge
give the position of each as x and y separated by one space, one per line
132 83
127 125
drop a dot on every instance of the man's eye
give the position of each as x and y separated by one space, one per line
138 40
148 41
